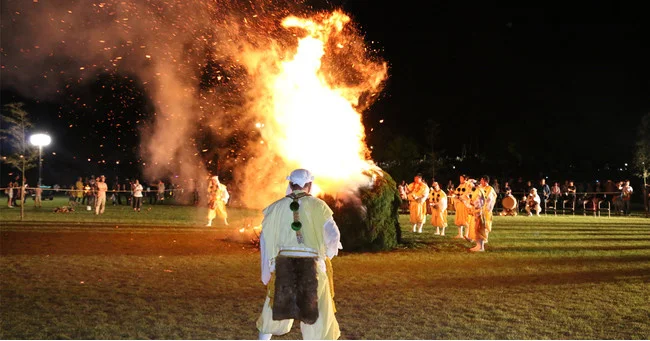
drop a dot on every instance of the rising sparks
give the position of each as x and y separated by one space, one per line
251 89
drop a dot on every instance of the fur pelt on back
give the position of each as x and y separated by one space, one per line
296 289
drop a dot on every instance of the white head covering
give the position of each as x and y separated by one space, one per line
300 177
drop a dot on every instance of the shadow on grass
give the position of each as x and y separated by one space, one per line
554 238
548 262
607 229
564 278
587 247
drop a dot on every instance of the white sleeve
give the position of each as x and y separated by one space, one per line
425 195
332 237
442 205
226 196
266 265
491 200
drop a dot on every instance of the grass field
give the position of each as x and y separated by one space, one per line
160 274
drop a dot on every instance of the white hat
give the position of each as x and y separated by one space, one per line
300 177
215 178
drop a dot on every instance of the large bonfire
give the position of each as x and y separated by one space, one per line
309 103
249 90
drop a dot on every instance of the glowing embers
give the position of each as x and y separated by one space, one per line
314 123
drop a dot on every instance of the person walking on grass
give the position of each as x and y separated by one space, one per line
438 203
482 203
217 199
417 193
298 239
462 218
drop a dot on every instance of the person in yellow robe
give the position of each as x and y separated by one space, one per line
483 200
299 238
79 186
438 203
417 193
461 205
217 199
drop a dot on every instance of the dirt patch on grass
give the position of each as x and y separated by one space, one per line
154 241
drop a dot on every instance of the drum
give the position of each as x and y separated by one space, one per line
509 202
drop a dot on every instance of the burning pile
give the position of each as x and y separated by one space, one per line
311 106
254 88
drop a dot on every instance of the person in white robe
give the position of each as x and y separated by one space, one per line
299 229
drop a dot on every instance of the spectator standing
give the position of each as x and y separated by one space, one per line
87 191
506 189
92 193
102 188
130 196
151 195
545 193
18 191
626 195
38 194
23 193
450 187
72 196
556 193
137 195
195 193
610 190
115 194
402 190
10 194
402 195
565 188
519 188
529 186
571 194
79 193
496 187
161 192
123 193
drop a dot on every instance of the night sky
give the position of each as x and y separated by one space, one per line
561 87
566 84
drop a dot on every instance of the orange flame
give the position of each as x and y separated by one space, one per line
313 120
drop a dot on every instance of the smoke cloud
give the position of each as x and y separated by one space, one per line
204 66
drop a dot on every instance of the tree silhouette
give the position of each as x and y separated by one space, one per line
642 155
15 150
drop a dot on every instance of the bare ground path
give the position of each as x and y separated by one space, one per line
103 240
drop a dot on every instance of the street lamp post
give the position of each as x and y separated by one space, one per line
40 140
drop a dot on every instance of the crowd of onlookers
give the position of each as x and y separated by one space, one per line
86 190
567 195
